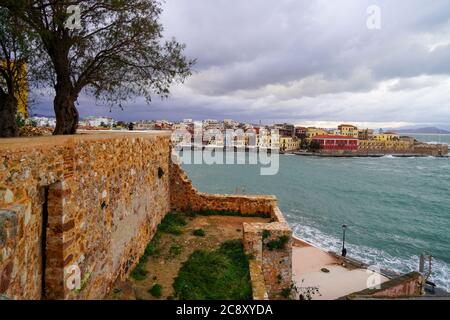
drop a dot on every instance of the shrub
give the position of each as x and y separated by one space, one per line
222 274
20 120
266 234
156 291
199 233
279 278
172 224
279 244
152 248
175 250
286 293
139 273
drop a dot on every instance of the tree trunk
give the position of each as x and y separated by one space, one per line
66 115
8 111
64 103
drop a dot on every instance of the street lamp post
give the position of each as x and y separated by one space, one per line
344 250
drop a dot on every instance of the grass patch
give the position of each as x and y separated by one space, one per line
139 273
116 293
222 274
278 244
199 233
266 234
156 291
172 224
286 293
175 250
152 250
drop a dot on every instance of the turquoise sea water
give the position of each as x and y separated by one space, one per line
396 208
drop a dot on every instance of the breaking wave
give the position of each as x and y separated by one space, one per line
373 256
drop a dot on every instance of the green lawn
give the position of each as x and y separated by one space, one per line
222 274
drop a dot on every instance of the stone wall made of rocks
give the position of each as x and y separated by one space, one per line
409 285
275 261
273 266
184 196
101 197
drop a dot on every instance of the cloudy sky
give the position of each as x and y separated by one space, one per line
307 62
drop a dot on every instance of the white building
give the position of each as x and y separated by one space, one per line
99 121
43 121
268 139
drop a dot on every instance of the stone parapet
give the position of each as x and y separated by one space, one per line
259 290
407 286
185 197
82 205
270 245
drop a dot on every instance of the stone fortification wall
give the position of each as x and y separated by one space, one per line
84 204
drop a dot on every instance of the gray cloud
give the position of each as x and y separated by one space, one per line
307 60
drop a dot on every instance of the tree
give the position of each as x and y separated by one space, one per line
314 145
110 49
13 57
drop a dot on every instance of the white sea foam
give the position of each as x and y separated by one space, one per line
373 256
438 142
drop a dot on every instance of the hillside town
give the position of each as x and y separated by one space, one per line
345 140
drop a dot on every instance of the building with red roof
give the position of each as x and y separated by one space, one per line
335 143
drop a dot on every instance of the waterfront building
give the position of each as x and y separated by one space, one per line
230 123
365 134
333 143
289 144
312 132
268 139
384 147
285 129
348 130
215 137
300 132
387 136
251 138
334 132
